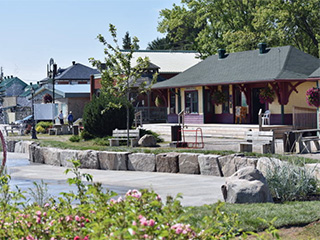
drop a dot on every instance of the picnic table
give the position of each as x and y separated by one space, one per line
303 138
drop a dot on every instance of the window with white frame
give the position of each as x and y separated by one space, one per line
191 102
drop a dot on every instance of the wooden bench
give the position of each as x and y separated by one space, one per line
263 138
305 142
121 135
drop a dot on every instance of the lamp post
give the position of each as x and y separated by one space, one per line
52 71
33 130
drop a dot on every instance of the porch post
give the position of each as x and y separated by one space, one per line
282 114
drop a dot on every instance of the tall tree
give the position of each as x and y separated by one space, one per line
127 42
160 44
240 25
120 77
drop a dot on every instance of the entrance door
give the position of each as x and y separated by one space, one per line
208 107
256 105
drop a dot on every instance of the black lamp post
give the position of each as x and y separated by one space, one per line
52 71
33 130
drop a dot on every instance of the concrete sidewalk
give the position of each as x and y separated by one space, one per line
195 189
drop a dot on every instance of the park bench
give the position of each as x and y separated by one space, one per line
263 138
13 129
121 135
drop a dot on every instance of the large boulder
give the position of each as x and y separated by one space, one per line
247 185
167 162
188 163
113 160
228 165
145 162
147 141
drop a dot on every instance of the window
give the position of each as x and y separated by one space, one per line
225 105
172 101
191 102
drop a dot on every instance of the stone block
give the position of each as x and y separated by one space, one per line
227 165
88 159
145 162
51 156
209 165
66 155
37 154
113 160
188 163
11 145
167 162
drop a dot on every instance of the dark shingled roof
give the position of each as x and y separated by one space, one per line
77 71
315 74
279 63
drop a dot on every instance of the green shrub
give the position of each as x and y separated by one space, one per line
156 135
85 135
74 138
289 182
102 141
40 129
44 125
103 114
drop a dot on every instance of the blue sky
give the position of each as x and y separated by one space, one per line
33 31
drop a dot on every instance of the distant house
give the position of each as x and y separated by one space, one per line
167 64
14 105
240 76
71 90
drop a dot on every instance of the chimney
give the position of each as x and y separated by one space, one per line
73 62
221 53
262 48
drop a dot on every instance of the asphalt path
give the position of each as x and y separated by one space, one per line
196 190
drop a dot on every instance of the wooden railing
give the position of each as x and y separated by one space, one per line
304 118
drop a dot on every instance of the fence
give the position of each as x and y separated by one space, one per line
304 118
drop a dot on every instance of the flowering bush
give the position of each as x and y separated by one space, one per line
313 97
266 95
101 214
218 97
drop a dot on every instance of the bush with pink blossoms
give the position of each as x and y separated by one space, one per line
101 214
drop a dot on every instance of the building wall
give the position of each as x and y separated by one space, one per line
76 105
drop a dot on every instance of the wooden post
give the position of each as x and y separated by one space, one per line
260 119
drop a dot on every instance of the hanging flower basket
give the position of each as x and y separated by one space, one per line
47 98
219 98
313 97
266 95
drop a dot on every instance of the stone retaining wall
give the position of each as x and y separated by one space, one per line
185 163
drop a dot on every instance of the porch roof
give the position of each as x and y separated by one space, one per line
316 73
279 63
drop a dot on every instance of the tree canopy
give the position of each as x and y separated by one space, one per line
207 25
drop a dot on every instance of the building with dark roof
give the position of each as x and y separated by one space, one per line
238 78
166 64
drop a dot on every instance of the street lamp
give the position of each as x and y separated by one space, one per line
33 130
52 71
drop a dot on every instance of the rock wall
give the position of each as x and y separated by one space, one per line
172 162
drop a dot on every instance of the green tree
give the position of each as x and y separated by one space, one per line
120 77
160 44
127 43
240 25
100 118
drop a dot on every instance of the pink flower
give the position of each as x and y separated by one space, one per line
151 222
38 220
76 238
77 218
38 213
134 223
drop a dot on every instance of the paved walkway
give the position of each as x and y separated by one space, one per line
195 189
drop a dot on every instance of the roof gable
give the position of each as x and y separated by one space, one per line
76 72
315 74
9 81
